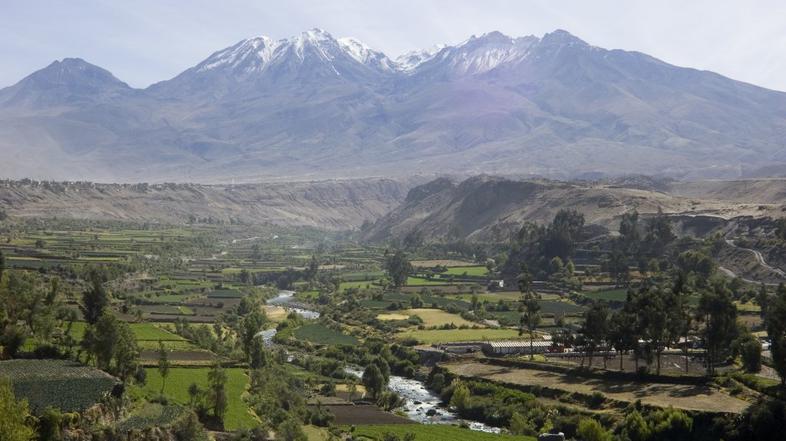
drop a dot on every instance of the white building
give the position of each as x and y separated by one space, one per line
509 347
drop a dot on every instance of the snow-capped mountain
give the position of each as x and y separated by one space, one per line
318 106
410 61
314 56
478 55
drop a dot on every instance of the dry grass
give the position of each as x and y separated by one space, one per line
688 397
441 262
437 317
276 314
392 316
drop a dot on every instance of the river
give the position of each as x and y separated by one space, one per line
420 402
285 299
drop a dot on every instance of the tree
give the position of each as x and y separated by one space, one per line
671 425
461 396
595 327
635 428
749 349
113 344
530 314
259 356
312 270
104 336
194 393
696 262
13 416
562 234
717 311
352 389
762 421
2 265
217 380
94 300
622 333
163 365
617 266
373 380
776 330
591 430
629 232
290 430
653 305
520 425
659 233
762 299
126 352
253 322
398 268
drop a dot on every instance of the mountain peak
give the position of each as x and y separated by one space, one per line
478 55
562 37
66 81
316 34
74 69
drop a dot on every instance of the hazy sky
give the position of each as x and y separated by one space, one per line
144 41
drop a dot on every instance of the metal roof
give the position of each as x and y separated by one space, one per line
517 344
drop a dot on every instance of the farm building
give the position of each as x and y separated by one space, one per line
515 347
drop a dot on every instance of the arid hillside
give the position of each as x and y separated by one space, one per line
490 208
328 205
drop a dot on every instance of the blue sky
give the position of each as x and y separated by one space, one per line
144 41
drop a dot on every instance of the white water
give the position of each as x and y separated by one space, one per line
419 400
283 300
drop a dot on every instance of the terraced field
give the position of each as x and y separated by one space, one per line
688 397
69 386
437 317
430 336
238 415
319 334
430 432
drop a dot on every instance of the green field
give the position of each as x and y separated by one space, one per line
319 334
63 384
430 336
142 332
419 281
609 295
430 432
361 284
238 415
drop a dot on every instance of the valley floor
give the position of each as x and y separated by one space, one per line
687 397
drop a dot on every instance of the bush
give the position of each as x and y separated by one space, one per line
672 425
596 400
189 429
591 430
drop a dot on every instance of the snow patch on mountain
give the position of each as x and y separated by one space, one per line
410 61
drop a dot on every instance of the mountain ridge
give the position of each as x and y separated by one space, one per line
492 208
322 107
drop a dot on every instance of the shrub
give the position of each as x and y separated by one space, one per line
596 400
591 430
